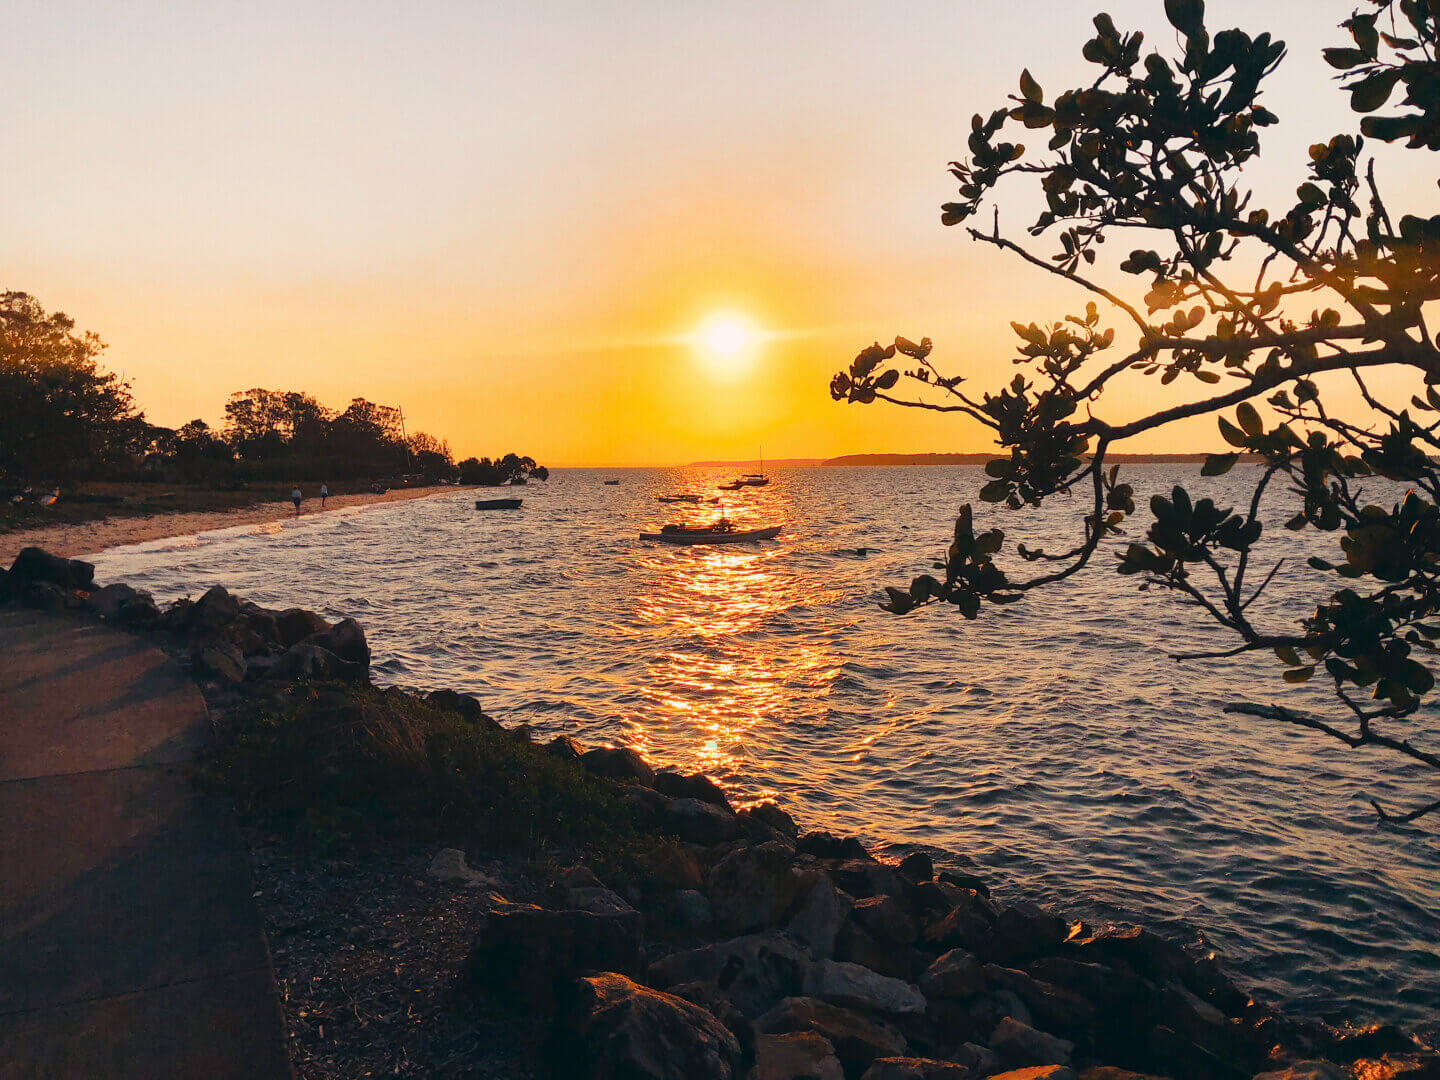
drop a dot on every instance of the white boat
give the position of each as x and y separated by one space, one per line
719 536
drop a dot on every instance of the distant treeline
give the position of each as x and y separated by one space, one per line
63 419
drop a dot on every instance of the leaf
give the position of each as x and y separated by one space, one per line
1029 87
1187 16
1250 422
1374 90
1233 435
1344 59
1299 675
1218 464
1288 654
887 380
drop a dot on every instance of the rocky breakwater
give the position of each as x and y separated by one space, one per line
732 945
748 949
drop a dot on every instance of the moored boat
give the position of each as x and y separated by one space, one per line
677 498
498 504
612 483
711 534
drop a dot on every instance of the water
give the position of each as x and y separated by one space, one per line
1054 743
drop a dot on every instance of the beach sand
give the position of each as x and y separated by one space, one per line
86 538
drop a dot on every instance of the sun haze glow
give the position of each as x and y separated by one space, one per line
727 342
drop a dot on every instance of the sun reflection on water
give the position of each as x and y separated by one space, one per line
722 662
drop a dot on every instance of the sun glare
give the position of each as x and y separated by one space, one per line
726 342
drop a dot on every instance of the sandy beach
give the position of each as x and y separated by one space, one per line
85 538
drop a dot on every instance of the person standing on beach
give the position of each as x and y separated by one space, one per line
295 497
324 494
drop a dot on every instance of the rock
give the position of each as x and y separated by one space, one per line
215 609
700 822
219 660
46 596
965 881
887 919
565 748
1021 1044
692 910
1184 1059
242 633
755 888
913 1068
598 900
866 877
965 926
671 866
34 564
1024 932
980 1060
532 953
1141 950
857 1040
618 763
467 705
708 995
297 624
777 819
822 845
306 661
850 984
7 586
855 946
108 601
614 1029
1109 1072
1371 1042
820 917
917 866
1412 1066
1307 1070
449 865
695 786
140 610
578 876
645 801
956 974
1055 1009
1038 1072
757 971
797 1055
346 639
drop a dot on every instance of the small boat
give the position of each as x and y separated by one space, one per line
734 485
677 498
720 532
612 483
498 504
753 480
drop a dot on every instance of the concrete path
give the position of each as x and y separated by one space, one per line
130 945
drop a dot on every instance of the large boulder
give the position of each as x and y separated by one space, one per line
917 866
756 888
1053 1008
855 945
757 971
694 786
47 596
531 953
346 639
618 763
965 926
306 661
956 974
798 1055
36 564
1022 933
700 822
108 601
297 624
1022 1044
218 660
857 1040
850 984
773 817
615 1029
214 609
820 916
887 919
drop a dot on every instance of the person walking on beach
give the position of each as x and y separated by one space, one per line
324 494
295 497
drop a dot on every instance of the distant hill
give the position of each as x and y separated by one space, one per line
755 464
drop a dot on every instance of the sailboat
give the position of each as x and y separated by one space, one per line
755 479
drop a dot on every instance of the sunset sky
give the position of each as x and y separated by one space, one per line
511 219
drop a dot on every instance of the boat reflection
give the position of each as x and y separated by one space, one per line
723 661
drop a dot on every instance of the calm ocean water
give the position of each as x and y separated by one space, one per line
1053 743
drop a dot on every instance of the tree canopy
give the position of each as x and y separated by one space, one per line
1239 304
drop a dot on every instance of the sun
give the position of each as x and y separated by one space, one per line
726 341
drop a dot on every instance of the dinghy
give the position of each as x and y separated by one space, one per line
498 504
722 532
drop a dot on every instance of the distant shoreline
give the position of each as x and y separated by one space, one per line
72 539
940 459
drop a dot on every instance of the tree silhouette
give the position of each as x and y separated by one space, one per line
1242 304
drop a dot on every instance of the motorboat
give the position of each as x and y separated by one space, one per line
718 532
677 498
612 483
498 504
734 485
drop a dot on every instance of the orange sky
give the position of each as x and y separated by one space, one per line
507 218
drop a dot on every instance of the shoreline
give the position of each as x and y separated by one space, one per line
74 539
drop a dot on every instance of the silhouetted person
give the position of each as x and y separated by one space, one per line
295 497
324 494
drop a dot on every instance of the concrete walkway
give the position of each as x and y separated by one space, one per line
130 945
